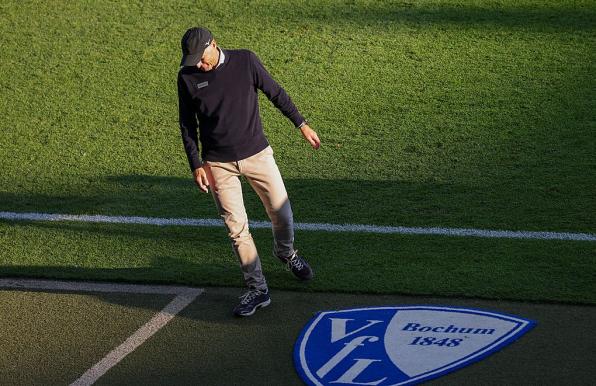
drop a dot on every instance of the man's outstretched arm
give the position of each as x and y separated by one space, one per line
280 99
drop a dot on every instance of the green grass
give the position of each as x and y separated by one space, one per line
51 338
353 263
431 113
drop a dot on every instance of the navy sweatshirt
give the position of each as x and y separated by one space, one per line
224 102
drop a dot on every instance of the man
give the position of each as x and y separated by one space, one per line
218 88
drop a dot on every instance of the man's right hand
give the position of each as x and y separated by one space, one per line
200 176
311 136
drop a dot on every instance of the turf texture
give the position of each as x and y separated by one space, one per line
431 113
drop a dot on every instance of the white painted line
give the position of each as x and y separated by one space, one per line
185 296
111 219
136 339
356 228
82 286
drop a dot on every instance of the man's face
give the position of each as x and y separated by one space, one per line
210 58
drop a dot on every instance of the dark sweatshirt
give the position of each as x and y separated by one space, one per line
224 101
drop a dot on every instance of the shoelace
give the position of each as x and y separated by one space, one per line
249 296
295 262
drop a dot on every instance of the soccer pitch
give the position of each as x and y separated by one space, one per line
81 333
456 114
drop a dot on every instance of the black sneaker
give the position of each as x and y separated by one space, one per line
251 300
298 266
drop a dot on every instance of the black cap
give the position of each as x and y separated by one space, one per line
194 42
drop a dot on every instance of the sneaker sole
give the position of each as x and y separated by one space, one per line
307 278
304 278
260 305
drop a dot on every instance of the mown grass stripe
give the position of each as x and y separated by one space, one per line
138 338
358 228
185 296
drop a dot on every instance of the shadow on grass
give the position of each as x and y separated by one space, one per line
507 205
343 262
168 271
536 17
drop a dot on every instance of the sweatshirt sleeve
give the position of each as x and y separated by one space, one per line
188 125
274 91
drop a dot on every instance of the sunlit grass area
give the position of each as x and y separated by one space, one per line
431 113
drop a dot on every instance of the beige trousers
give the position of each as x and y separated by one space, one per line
263 175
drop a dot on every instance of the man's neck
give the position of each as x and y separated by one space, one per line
220 58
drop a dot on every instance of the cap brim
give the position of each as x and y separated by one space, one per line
191 60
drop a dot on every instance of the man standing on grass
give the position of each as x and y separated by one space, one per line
218 88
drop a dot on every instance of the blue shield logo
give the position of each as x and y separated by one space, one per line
399 345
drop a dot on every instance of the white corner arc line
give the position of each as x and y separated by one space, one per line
355 228
185 296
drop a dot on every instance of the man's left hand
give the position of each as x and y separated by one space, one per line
311 136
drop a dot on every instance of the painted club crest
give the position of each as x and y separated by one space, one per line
399 345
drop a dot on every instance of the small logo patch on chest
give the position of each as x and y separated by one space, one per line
202 84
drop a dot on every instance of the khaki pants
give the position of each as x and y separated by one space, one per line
262 174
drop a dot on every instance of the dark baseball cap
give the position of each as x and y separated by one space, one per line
194 42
